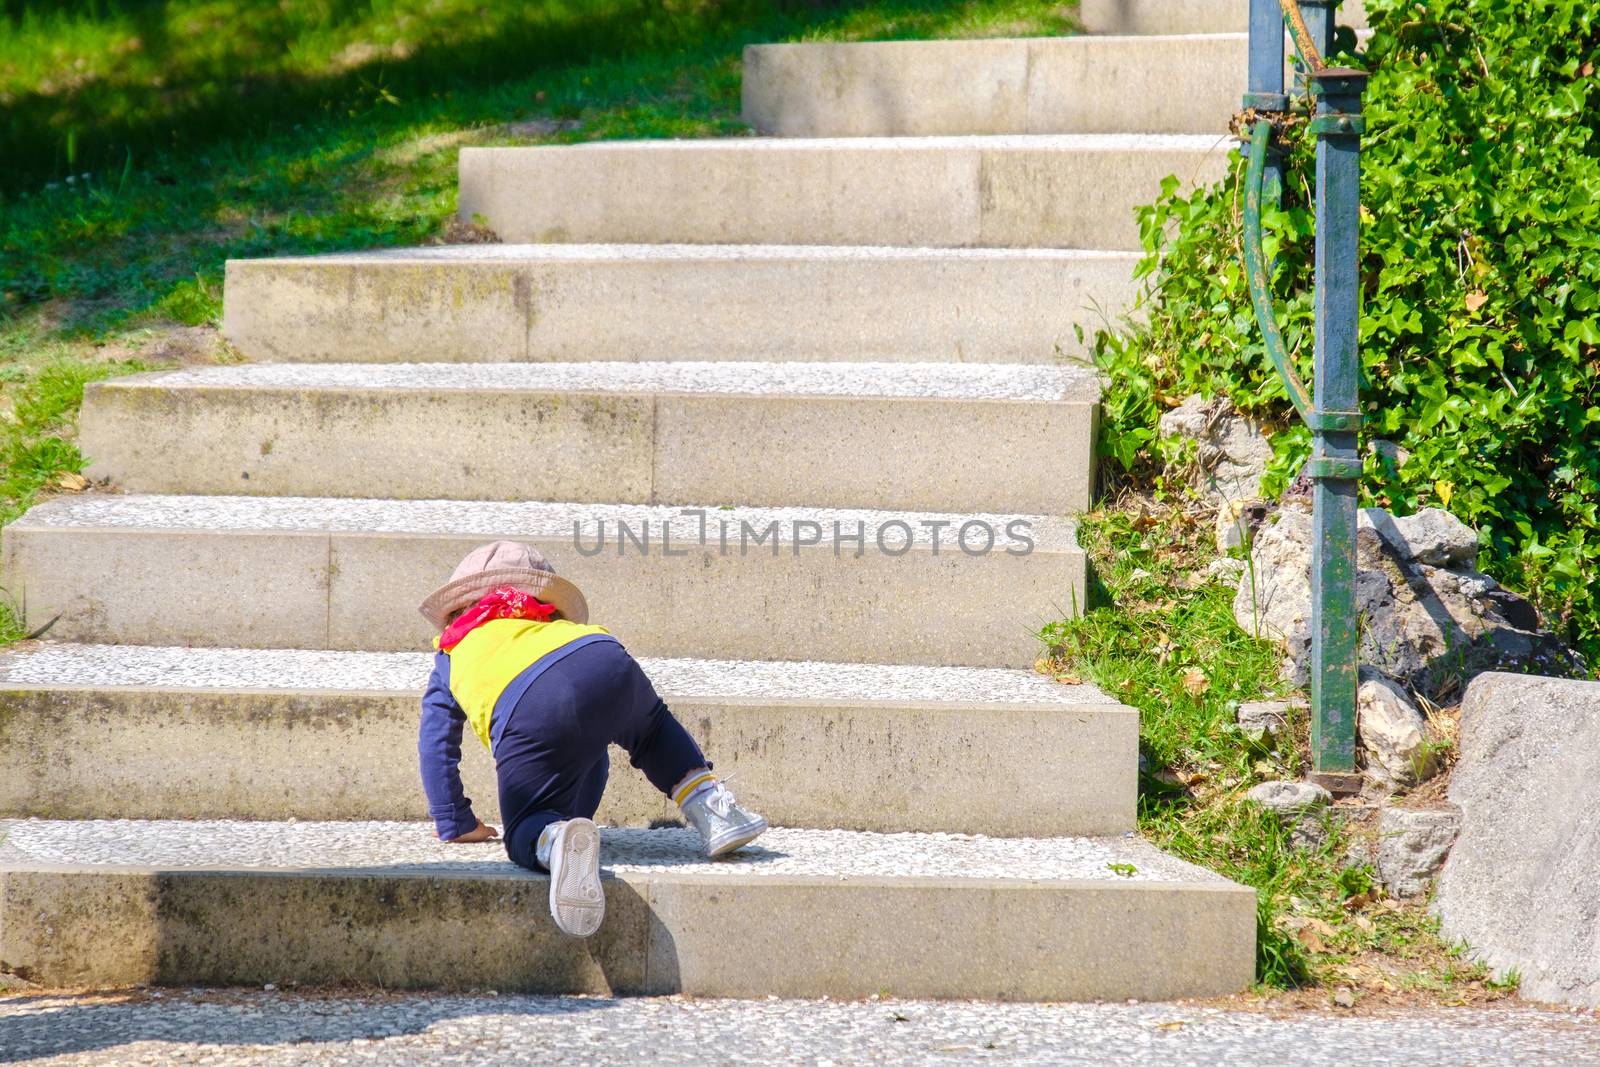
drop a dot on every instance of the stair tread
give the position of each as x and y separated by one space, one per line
390 848
1040 142
585 253
67 665
467 518
934 381
1088 40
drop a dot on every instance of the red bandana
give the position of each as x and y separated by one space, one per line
501 602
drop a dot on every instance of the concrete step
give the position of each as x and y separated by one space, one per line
722 583
533 303
1061 191
1184 16
1038 85
102 731
927 436
803 913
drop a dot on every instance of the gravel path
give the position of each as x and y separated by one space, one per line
257 1028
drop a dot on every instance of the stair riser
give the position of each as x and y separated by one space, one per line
1183 16
703 936
1042 85
945 196
266 589
1015 310
175 754
978 456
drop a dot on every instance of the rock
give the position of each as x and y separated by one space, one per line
1263 720
1429 627
1520 885
1432 536
1412 846
1230 451
1301 807
1289 798
1392 733
1225 569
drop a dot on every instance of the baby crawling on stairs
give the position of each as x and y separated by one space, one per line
547 694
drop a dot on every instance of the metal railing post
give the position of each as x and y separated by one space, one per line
1335 464
1264 86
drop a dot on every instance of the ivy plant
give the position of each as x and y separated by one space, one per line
1480 283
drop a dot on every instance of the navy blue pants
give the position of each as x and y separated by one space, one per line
551 758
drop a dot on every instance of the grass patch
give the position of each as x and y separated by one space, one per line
1159 635
145 146
36 448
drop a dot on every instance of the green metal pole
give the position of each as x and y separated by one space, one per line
1335 464
1264 81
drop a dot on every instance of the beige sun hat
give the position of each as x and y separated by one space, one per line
504 563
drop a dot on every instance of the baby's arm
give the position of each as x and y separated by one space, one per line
439 752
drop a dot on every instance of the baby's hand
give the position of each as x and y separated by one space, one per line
481 832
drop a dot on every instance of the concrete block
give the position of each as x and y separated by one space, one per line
802 914
93 732
944 939
1519 885
1040 85
895 587
163 586
1062 191
512 303
920 436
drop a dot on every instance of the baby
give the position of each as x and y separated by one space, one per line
547 693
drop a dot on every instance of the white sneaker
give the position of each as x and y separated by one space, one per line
722 823
571 852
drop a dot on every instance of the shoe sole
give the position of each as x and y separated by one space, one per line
736 838
577 900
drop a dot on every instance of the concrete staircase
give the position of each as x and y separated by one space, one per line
792 412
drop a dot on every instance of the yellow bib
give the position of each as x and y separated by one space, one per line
490 657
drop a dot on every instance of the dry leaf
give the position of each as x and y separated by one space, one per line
1195 681
1310 940
1321 927
1586 70
1042 666
1476 300
1366 924
1069 679
71 482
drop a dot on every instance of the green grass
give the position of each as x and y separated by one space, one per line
36 450
1162 639
144 146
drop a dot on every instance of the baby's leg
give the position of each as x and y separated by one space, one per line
654 739
550 760
540 798
668 756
